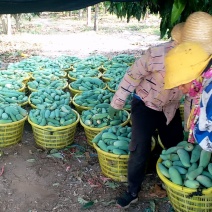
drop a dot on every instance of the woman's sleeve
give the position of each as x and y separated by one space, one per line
131 80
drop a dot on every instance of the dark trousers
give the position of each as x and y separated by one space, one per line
145 121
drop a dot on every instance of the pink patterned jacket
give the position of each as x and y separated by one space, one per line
146 78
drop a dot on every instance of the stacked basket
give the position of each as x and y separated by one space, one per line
53 121
113 166
104 121
186 199
186 171
11 124
112 146
50 137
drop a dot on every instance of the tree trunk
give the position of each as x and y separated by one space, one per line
80 14
70 13
9 27
4 23
17 18
89 16
96 27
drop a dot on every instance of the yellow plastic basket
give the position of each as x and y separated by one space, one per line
11 133
68 69
105 79
91 132
185 199
72 79
26 79
30 103
79 108
49 137
34 90
113 166
74 92
24 103
64 76
102 69
160 142
23 88
34 106
110 89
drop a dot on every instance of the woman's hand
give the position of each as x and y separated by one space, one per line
112 111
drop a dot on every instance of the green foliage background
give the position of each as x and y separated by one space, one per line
171 11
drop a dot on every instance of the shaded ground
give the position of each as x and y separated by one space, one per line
36 180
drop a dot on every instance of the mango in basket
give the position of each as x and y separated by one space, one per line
98 117
11 113
61 116
190 168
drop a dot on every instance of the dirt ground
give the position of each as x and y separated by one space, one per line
37 180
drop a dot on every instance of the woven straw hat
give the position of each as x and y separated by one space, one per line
185 63
176 32
198 28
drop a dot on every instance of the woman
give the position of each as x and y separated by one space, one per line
153 107
189 67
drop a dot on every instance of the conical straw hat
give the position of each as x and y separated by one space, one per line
198 28
185 63
176 32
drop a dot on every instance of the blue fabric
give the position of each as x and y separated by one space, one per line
136 96
203 129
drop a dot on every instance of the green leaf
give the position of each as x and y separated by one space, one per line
31 160
148 210
108 203
55 155
112 185
163 26
88 205
152 206
177 9
82 201
52 151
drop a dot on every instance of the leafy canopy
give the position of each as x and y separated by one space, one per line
171 11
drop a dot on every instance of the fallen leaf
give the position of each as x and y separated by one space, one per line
55 155
2 171
108 203
88 205
56 184
82 201
53 151
31 160
157 191
112 185
1 153
93 183
104 179
68 168
152 206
